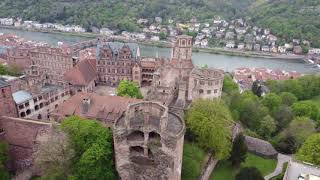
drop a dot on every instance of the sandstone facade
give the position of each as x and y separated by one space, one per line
7 105
23 137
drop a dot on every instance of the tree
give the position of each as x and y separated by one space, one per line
310 150
191 164
229 85
4 148
267 127
298 131
55 156
163 36
211 122
239 151
93 151
129 89
283 116
288 98
272 101
249 173
306 108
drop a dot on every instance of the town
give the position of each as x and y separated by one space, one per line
236 35
43 86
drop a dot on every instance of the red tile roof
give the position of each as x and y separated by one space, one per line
103 108
83 73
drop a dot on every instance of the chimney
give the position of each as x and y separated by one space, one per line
85 105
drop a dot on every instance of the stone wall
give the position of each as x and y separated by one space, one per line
23 137
7 105
260 147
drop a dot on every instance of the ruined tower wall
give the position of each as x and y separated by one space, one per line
148 143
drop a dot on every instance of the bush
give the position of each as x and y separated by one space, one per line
249 173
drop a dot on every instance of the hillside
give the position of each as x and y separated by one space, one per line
117 13
287 18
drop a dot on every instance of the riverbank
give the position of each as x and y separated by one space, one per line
165 44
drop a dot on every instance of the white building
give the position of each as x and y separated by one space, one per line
282 49
7 21
314 51
155 38
106 32
230 44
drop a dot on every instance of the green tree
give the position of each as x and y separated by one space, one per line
193 156
283 116
248 109
129 89
4 148
93 151
310 150
3 70
272 101
163 36
249 173
267 127
55 155
239 151
306 108
296 133
211 122
288 98
229 85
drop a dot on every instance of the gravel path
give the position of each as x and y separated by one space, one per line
281 160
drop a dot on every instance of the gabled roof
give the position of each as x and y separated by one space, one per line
83 73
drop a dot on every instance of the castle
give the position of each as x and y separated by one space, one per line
149 133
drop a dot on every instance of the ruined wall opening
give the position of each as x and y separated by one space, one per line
22 114
154 137
136 136
136 151
150 154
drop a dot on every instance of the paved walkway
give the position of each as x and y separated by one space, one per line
281 160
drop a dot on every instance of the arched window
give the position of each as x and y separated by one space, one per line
28 111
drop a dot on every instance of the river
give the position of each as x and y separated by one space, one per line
225 62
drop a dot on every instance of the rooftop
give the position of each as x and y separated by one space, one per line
295 169
83 73
117 46
207 73
3 83
100 107
21 96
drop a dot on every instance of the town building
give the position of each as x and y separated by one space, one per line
303 171
38 105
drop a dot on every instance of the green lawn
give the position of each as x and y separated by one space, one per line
224 170
193 158
316 100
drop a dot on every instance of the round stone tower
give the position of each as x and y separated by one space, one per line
148 143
